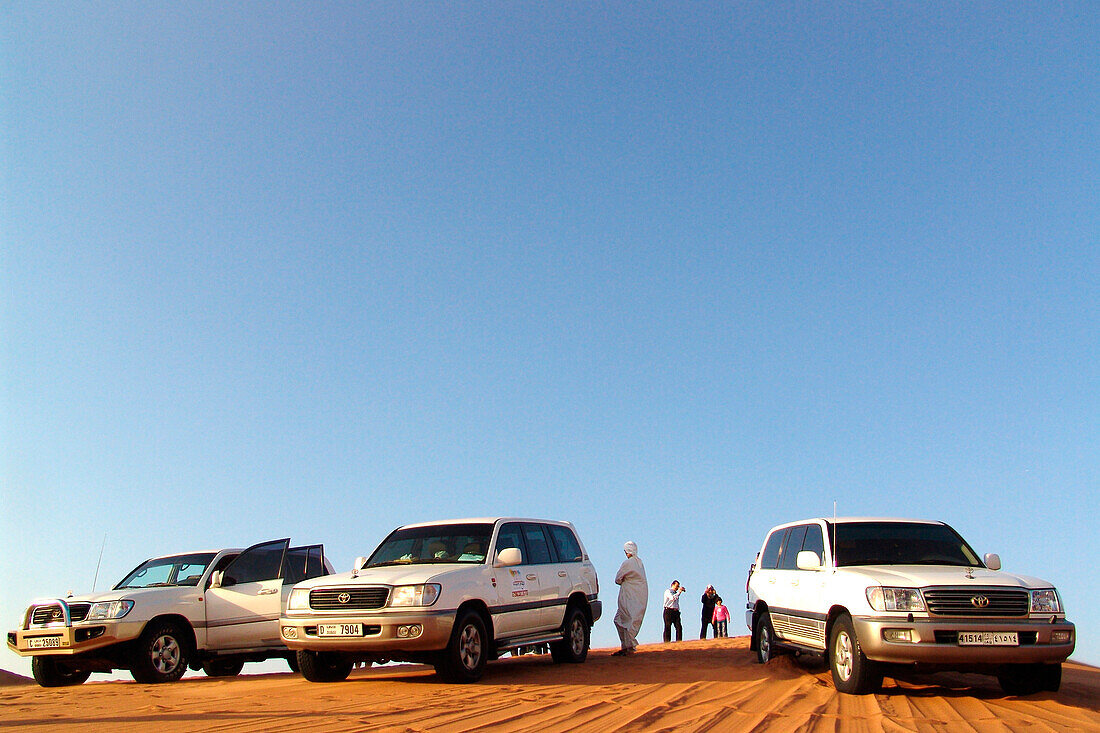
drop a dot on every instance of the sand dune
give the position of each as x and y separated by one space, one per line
691 686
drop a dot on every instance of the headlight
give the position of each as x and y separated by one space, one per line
108 610
299 600
415 595
1045 601
894 599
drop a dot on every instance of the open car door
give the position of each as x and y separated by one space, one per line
243 613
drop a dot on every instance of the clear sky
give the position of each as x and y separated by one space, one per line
674 272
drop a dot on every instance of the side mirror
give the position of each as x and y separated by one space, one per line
508 557
807 560
216 579
359 563
992 561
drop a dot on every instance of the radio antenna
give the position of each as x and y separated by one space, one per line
95 578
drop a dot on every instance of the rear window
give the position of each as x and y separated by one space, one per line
771 550
569 550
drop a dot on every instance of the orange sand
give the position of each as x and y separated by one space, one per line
690 686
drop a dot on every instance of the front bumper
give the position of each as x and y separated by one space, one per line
79 638
936 641
381 632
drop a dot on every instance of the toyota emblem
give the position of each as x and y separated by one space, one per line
345 597
979 601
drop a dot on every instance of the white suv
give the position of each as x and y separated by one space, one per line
215 610
451 594
876 593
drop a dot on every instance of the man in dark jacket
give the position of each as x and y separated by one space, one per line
710 597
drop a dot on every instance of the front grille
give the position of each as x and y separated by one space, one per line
352 599
977 602
52 614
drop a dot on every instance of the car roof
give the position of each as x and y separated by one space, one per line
484 520
854 520
195 552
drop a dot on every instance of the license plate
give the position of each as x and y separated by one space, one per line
44 642
339 629
988 638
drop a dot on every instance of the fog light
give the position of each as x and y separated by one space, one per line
897 635
1059 637
415 630
402 631
290 632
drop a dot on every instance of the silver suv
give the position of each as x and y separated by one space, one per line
213 610
451 594
876 594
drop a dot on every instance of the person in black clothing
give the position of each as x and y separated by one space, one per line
710 597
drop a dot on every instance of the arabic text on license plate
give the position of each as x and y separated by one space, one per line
339 629
988 638
44 642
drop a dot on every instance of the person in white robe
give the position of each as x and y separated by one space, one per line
633 595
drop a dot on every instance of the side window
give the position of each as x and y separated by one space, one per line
569 550
814 541
537 544
510 535
770 560
260 562
791 548
303 563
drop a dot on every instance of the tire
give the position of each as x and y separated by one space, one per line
161 654
853 673
467 652
1028 679
765 638
227 667
1052 677
49 671
323 666
573 647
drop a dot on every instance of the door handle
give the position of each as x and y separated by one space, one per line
267 591
532 576
562 574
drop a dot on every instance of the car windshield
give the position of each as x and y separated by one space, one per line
164 571
443 543
900 543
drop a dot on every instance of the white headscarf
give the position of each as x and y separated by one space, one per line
631 548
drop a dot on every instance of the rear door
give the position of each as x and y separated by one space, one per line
244 612
566 571
301 563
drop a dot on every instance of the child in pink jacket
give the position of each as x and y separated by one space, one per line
721 616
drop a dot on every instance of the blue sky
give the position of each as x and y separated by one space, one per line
676 273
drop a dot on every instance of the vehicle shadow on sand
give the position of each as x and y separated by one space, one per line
696 662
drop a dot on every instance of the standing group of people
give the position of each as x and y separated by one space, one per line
715 615
633 598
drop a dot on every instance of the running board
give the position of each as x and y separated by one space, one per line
506 644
